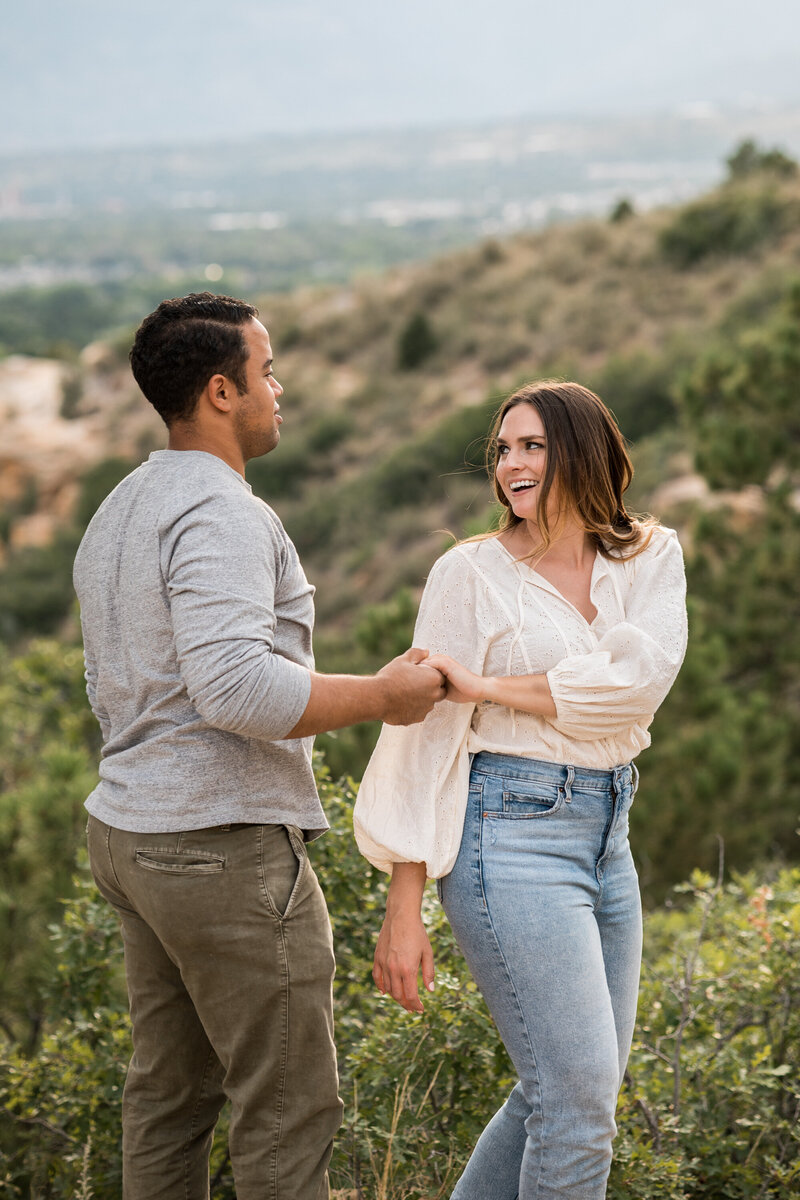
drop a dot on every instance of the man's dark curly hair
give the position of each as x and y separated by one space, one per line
183 343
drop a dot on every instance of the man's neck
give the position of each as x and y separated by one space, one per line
184 435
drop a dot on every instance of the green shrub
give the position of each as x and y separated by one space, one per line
740 402
621 211
71 394
36 588
748 159
48 747
709 1108
713 1089
385 630
638 388
417 342
731 221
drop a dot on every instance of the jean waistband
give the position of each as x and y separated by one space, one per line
515 766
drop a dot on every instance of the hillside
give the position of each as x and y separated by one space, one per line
389 384
687 321
378 424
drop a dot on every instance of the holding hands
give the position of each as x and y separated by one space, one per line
410 693
463 686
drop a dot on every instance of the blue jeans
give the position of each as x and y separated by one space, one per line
544 902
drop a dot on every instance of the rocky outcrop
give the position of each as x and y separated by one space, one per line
58 420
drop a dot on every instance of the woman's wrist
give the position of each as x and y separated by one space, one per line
406 888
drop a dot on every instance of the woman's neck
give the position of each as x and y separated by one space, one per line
571 547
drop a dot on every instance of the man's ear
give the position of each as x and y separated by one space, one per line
219 393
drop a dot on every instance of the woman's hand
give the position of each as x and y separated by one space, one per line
403 946
528 693
463 686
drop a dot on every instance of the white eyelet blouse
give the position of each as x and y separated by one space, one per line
498 617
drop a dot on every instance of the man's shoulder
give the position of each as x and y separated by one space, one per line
194 483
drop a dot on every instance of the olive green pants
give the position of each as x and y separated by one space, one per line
229 962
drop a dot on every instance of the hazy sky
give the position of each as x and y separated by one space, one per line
103 72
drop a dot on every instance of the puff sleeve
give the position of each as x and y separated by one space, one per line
412 799
624 679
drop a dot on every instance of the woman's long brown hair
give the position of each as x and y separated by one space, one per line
586 454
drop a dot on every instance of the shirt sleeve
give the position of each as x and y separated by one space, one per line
90 675
222 567
411 803
624 680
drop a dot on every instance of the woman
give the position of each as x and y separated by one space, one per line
560 635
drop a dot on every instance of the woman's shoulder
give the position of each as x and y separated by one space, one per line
654 540
661 545
660 539
467 563
471 557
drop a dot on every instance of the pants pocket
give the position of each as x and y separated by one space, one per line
538 802
283 863
180 862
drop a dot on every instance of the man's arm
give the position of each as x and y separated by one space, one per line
402 692
221 577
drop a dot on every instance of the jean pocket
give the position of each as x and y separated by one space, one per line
539 802
284 863
180 862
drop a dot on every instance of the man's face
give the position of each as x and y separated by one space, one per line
256 416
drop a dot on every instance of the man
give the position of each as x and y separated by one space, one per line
197 622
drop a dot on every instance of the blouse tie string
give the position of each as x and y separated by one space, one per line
516 638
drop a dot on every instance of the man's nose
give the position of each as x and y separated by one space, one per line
276 387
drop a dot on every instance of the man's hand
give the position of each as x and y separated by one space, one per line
411 688
403 947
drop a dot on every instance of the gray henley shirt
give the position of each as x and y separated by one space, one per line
197 621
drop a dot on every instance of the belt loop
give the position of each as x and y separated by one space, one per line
568 783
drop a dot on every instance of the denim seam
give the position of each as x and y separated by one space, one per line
608 842
496 943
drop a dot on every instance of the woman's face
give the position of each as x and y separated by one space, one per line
521 460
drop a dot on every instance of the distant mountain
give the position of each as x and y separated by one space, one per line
508 173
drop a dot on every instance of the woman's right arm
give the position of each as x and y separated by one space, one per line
410 806
412 797
403 944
